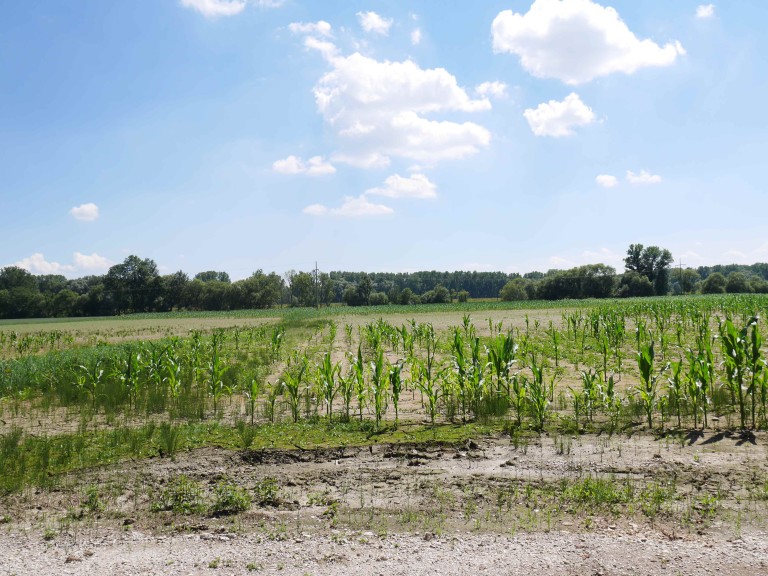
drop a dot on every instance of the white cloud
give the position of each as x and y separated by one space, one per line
321 28
560 262
350 208
495 89
327 49
606 180
290 165
378 109
558 119
91 262
315 210
735 256
315 166
37 264
644 177
705 11
416 36
214 8
415 186
372 22
576 41
363 160
604 256
86 212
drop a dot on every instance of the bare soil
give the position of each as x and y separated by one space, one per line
498 505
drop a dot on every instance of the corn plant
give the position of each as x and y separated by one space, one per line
737 353
379 381
538 399
395 387
216 370
358 371
347 389
327 374
675 393
501 356
292 383
647 387
252 394
91 380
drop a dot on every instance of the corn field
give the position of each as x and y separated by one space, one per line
688 363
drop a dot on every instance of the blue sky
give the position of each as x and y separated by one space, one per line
381 136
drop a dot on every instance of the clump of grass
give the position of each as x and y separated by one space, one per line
182 496
246 433
169 439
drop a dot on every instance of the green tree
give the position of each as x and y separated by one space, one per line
213 276
634 284
133 285
737 283
652 262
514 290
714 284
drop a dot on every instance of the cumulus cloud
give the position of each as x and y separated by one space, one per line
315 166
320 28
378 109
416 36
558 119
350 208
495 89
86 212
91 262
575 41
644 177
214 8
415 186
704 11
37 264
606 180
372 22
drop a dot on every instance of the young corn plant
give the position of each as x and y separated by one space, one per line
327 375
347 389
216 370
358 371
293 380
736 352
396 387
538 399
647 387
379 381
675 392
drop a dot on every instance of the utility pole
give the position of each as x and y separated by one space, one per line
317 287
680 266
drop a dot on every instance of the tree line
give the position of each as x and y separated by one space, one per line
648 272
135 285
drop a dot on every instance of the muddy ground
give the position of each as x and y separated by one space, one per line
504 505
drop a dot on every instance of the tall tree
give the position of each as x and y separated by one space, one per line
212 276
134 284
652 262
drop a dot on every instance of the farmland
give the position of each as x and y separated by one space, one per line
640 419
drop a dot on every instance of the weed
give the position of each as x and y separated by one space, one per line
182 496
229 498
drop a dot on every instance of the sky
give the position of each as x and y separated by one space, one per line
383 135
